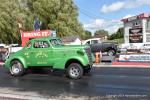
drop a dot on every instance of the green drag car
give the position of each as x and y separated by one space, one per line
50 52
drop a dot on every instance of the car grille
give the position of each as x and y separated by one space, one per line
88 52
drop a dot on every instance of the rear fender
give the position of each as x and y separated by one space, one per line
21 60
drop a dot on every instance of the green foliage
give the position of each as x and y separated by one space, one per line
101 33
11 12
117 35
87 35
119 41
59 15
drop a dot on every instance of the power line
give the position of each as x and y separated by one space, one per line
88 15
87 11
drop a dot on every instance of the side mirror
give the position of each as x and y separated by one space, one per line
28 47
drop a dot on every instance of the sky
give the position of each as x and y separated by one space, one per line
107 14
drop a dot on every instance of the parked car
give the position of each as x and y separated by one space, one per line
50 52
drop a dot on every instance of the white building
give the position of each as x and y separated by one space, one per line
137 30
72 40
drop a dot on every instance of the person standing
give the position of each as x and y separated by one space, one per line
37 24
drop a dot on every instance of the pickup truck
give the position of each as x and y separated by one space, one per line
50 52
97 45
110 48
91 41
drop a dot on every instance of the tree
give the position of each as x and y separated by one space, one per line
101 33
11 13
87 35
112 36
59 15
118 34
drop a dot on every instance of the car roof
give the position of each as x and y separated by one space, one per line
44 38
93 39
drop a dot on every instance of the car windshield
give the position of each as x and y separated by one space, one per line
56 42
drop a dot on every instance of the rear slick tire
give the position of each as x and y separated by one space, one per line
17 68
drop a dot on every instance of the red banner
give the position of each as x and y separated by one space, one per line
26 36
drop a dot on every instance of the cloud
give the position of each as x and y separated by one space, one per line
126 4
127 16
95 24
113 7
137 3
110 25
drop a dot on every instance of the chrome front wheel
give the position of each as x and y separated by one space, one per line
75 71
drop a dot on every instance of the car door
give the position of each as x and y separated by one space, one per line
39 54
27 53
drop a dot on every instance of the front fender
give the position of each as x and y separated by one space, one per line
83 60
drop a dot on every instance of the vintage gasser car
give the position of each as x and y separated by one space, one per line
50 52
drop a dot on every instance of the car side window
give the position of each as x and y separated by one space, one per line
36 45
45 44
29 45
88 42
94 41
41 44
53 42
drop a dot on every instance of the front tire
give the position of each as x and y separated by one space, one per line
17 68
75 71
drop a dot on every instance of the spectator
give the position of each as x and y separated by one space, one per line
29 45
36 45
45 45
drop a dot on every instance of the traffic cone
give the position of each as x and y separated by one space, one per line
97 57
